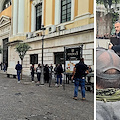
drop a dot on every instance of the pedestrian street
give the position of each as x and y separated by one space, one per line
29 101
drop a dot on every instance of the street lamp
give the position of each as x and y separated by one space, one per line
42 71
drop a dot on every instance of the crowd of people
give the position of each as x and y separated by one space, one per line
48 70
79 73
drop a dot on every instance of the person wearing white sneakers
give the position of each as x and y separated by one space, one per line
79 73
38 71
59 74
18 68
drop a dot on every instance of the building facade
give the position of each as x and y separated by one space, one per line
5 28
68 23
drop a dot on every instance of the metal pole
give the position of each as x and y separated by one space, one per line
42 71
64 68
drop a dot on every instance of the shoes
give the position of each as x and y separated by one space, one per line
18 81
83 98
56 85
32 81
61 85
75 98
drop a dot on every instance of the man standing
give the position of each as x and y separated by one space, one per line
116 48
79 73
18 68
59 74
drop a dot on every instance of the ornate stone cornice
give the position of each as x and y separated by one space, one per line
4 20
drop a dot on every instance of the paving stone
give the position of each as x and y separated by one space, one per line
38 117
28 101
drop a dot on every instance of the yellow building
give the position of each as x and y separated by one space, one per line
68 23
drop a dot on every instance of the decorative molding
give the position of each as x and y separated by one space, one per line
83 16
35 2
4 19
87 28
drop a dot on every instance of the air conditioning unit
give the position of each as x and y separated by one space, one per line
52 29
62 27
29 35
35 35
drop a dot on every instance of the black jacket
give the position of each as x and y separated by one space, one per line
18 67
59 70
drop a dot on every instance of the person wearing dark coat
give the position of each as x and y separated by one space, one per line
18 67
116 45
59 74
46 73
55 73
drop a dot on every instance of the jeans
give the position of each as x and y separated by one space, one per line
18 74
59 76
4 69
32 76
38 76
80 82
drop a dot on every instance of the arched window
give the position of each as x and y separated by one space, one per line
6 4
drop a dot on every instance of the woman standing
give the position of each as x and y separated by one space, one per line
32 72
38 71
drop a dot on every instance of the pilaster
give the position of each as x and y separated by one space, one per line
21 16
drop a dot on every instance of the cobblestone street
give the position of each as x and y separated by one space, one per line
27 101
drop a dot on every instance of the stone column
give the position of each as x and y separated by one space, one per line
42 12
15 17
33 17
72 9
57 11
21 16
